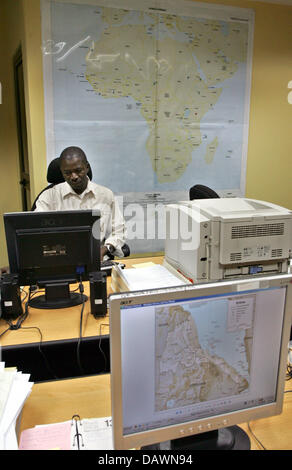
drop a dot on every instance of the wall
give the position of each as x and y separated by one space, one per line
34 93
20 25
269 161
269 166
10 197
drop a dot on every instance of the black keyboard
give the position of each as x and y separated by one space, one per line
106 266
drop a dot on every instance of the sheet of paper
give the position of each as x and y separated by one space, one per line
150 277
10 437
97 433
14 390
6 379
47 437
19 391
143 265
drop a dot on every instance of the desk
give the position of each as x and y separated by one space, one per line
60 332
89 397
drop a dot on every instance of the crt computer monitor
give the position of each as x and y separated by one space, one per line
190 363
52 250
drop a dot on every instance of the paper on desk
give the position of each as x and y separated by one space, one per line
19 391
14 389
10 438
97 433
55 436
150 277
6 379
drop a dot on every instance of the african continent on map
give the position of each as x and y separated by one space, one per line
174 68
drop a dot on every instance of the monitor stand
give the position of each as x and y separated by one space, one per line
57 295
231 438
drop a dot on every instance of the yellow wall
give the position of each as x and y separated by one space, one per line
34 95
269 160
10 198
20 25
269 166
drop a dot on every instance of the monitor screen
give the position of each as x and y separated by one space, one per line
53 249
193 359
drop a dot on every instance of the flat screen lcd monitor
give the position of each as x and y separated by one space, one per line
52 250
190 363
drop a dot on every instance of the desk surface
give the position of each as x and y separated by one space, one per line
62 324
89 397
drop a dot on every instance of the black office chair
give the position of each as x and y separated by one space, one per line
199 191
54 176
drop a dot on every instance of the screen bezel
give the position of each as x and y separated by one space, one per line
47 222
149 437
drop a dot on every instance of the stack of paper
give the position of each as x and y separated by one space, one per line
14 390
145 277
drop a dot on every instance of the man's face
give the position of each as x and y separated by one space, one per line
75 171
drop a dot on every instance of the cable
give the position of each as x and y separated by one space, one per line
40 350
289 372
5 331
25 294
18 325
99 345
81 289
252 433
21 318
254 436
289 365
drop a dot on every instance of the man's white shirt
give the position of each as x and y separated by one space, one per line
62 197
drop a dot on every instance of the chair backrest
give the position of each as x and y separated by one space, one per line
199 191
54 174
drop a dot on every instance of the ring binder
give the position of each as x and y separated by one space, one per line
77 435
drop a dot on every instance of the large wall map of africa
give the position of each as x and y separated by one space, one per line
158 97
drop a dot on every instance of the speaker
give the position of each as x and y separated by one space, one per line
10 297
98 293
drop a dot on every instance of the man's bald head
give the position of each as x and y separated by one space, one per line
71 152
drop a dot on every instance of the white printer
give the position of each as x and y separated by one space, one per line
214 239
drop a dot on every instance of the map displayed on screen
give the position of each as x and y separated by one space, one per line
203 351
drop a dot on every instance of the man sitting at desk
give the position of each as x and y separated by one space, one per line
78 192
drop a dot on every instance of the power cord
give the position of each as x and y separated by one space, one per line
99 345
19 322
81 290
23 316
289 364
254 436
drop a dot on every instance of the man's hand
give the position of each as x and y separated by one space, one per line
105 251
